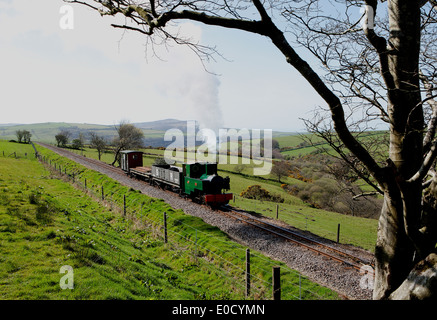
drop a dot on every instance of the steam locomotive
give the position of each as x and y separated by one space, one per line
198 181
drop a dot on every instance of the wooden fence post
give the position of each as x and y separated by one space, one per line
277 211
247 273
195 243
338 233
165 227
103 195
300 287
276 283
124 205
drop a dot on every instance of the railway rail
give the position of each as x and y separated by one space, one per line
297 238
313 245
82 158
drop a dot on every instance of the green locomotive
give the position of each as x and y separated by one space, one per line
198 181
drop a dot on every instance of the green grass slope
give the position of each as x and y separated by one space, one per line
47 221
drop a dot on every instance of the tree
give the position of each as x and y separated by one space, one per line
388 68
98 143
26 136
62 138
129 137
19 134
275 143
389 75
79 142
23 136
281 169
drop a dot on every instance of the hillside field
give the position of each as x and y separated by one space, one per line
47 221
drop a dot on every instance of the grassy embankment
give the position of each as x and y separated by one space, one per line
46 223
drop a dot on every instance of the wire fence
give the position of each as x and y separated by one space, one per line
250 274
17 155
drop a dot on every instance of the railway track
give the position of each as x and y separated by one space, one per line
313 245
73 156
297 238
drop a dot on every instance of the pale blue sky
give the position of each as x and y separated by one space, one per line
95 74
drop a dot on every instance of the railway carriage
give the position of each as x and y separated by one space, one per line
198 181
130 159
167 175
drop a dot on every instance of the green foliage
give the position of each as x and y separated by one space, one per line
159 161
23 136
77 144
258 193
62 138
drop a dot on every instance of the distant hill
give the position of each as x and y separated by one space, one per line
9 124
163 125
153 131
45 132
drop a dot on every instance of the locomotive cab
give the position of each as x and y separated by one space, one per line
202 181
196 170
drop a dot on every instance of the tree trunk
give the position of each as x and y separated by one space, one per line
398 244
421 283
117 156
393 252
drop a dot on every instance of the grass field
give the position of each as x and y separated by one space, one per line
46 223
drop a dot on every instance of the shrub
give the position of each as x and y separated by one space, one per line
159 161
258 193
44 213
34 198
